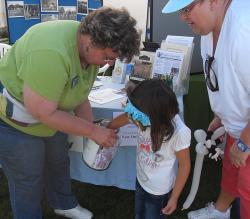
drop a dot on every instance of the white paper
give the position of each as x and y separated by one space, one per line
167 62
128 134
181 40
105 95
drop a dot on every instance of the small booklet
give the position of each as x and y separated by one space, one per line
106 95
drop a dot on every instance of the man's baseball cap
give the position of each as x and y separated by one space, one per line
175 5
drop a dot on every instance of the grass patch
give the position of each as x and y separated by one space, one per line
114 203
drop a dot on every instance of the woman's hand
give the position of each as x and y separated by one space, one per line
104 136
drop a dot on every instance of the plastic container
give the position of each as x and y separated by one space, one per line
96 156
119 72
129 71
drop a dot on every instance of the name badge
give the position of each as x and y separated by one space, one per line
74 81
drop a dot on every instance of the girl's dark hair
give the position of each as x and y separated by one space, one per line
112 28
154 98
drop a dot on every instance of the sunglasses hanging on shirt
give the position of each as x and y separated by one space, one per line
211 78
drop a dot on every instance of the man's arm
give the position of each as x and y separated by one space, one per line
238 158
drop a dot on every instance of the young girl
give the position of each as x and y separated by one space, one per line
163 162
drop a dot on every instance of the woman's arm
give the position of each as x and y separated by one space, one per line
183 158
84 111
46 111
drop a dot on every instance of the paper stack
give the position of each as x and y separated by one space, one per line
172 62
105 95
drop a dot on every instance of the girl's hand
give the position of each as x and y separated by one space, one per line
170 207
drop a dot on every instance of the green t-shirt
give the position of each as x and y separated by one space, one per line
46 58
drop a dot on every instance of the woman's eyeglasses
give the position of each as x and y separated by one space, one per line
211 78
109 59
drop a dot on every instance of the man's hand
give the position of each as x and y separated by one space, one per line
214 124
237 157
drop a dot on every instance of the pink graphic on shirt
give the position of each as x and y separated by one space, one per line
145 147
145 143
145 156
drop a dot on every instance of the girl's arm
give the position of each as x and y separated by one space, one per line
119 121
183 158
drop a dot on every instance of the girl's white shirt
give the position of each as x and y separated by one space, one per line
156 172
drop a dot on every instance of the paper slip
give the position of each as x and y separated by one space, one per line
96 85
105 95
128 134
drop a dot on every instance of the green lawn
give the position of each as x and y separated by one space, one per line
113 203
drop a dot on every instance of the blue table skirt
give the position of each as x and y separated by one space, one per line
121 172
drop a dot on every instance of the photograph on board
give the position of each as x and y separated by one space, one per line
31 11
49 17
82 6
49 5
15 9
67 12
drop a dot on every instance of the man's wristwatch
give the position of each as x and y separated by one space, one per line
242 146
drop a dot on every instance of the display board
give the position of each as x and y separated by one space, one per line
23 14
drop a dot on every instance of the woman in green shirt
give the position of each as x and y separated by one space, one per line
48 73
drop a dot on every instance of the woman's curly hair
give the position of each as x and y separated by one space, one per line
112 28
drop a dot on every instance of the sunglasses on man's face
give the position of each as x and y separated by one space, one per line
187 10
211 78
